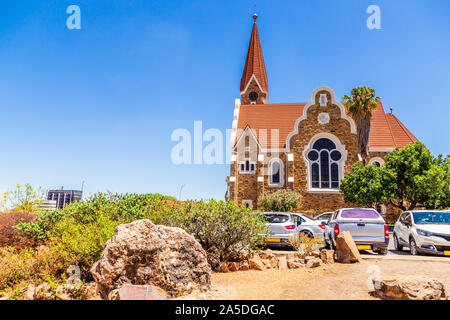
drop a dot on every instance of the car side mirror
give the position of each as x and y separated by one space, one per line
325 223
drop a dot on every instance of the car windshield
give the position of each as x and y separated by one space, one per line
276 218
431 217
359 214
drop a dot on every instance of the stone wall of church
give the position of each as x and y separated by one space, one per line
307 129
253 86
247 186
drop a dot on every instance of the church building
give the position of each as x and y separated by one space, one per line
307 147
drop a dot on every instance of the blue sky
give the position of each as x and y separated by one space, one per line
100 104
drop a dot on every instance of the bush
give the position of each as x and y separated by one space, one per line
76 235
80 244
10 235
117 207
279 201
304 244
224 229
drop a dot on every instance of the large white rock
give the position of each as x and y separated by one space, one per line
142 253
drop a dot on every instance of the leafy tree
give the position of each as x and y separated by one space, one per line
364 186
417 178
360 107
279 201
25 198
411 177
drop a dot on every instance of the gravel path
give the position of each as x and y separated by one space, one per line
335 282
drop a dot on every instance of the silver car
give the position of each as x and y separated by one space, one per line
366 226
310 227
284 225
280 226
423 232
324 216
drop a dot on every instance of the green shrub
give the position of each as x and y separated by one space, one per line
80 244
224 229
117 207
279 201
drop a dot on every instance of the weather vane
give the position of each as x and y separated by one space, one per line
255 15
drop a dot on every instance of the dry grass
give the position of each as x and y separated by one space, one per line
304 244
10 236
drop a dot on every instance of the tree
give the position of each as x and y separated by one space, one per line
416 177
411 177
360 107
364 186
25 199
279 201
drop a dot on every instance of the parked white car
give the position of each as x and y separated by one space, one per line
312 228
423 232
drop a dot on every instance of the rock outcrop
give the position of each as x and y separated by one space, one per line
142 253
327 256
346 250
409 288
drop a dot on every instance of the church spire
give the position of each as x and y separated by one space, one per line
254 82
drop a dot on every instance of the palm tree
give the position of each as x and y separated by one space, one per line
360 107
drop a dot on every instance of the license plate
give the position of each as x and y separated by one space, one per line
273 240
446 253
364 247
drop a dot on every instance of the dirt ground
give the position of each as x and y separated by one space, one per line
335 282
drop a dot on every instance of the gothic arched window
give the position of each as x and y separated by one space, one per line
324 161
276 173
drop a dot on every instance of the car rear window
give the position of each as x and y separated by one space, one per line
359 214
276 218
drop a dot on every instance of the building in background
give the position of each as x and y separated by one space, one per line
62 197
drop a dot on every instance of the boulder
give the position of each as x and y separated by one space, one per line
409 288
313 263
346 250
267 263
282 263
131 292
64 293
327 256
89 291
266 254
142 253
43 292
294 264
5 296
307 258
29 292
233 266
223 267
256 264
244 266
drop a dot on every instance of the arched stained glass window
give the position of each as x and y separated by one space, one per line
275 173
324 161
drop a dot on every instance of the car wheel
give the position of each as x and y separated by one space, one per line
333 245
397 245
413 247
307 233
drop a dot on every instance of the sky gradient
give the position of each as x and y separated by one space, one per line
100 104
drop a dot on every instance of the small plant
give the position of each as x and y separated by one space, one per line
25 198
305 244
279 201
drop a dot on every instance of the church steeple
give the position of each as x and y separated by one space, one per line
254 82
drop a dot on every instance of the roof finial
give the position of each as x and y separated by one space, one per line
255 15
391 110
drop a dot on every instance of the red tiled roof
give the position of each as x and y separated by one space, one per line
386 130
254 64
